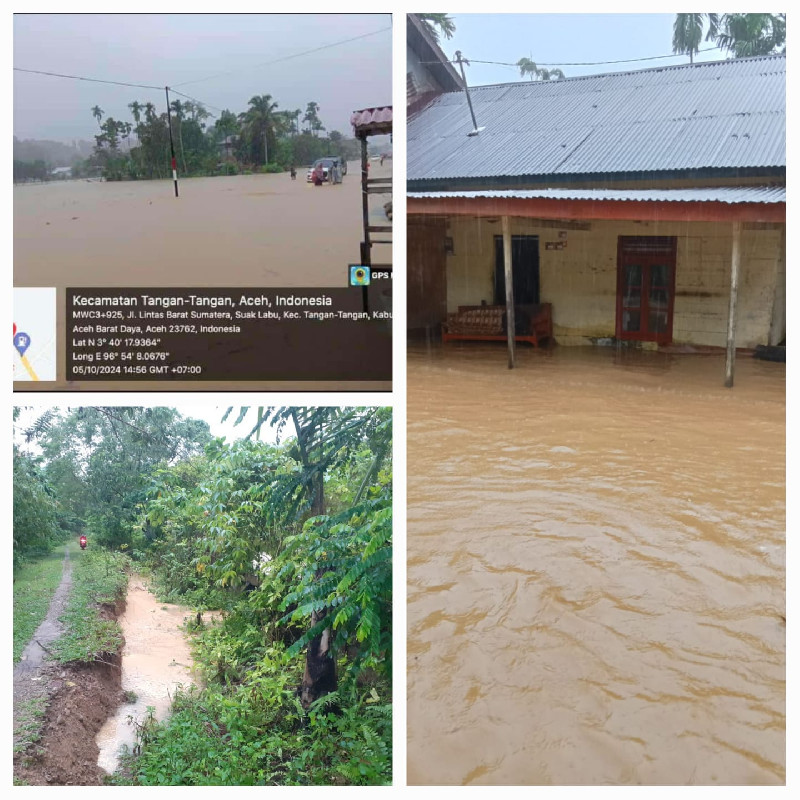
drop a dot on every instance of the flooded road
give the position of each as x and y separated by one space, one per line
238 231
595 568
243 230
155 660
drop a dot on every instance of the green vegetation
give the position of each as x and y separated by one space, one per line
35 584
39 524
260 139
29 727
741 35
291 542
98 578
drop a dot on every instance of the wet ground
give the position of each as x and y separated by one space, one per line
155 660
596 568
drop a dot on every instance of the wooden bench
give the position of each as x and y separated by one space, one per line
534 324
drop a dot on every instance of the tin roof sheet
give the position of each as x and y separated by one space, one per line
373 120
723 114
718 194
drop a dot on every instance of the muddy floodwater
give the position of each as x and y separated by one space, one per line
155 660
243 230
596 568
238 231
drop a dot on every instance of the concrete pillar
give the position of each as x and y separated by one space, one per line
509 290
736 257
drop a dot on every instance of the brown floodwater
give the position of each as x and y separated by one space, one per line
155 660
238 231
243 230
596 572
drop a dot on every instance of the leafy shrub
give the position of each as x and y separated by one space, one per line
255 733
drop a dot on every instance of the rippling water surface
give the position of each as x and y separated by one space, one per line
595 568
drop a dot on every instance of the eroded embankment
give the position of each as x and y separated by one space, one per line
81 698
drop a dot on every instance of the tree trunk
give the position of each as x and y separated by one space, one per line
319 677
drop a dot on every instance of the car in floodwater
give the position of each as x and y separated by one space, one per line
327 162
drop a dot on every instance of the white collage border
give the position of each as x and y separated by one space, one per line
396 399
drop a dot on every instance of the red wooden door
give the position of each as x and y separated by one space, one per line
645 288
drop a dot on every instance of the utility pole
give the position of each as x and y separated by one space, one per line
172 144
266 159
461 62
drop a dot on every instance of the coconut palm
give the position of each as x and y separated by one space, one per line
687 32
443 22
258 126
534 72
740 34
312 118
97 113
752 34
179 109
136 109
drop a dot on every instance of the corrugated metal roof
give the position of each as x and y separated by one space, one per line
372 120
718 194
723 114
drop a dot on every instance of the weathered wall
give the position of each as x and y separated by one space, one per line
426 273
580 281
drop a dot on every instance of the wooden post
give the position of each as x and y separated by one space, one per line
366 249
509 290
736 255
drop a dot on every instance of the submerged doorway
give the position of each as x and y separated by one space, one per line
525 270
645 288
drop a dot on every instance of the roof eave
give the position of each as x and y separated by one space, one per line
641 210
776 172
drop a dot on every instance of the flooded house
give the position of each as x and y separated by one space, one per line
646 208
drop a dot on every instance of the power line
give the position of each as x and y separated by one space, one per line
287 58
575 63
195 100
91 80
115 83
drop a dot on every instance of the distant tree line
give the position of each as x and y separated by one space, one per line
259 139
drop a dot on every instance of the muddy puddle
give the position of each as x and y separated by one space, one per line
156 659
595 568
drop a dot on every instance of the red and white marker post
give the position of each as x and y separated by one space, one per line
172 144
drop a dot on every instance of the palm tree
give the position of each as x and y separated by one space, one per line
528 67
740 34
752 34
178 109
127 128
259 123
312 117
687 33
443 22
97 113
136 109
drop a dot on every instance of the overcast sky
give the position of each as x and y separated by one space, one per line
172 49
211 414
558 38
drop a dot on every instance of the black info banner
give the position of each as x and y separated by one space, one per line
230 334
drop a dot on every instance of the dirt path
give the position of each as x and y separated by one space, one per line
33 675
58 708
